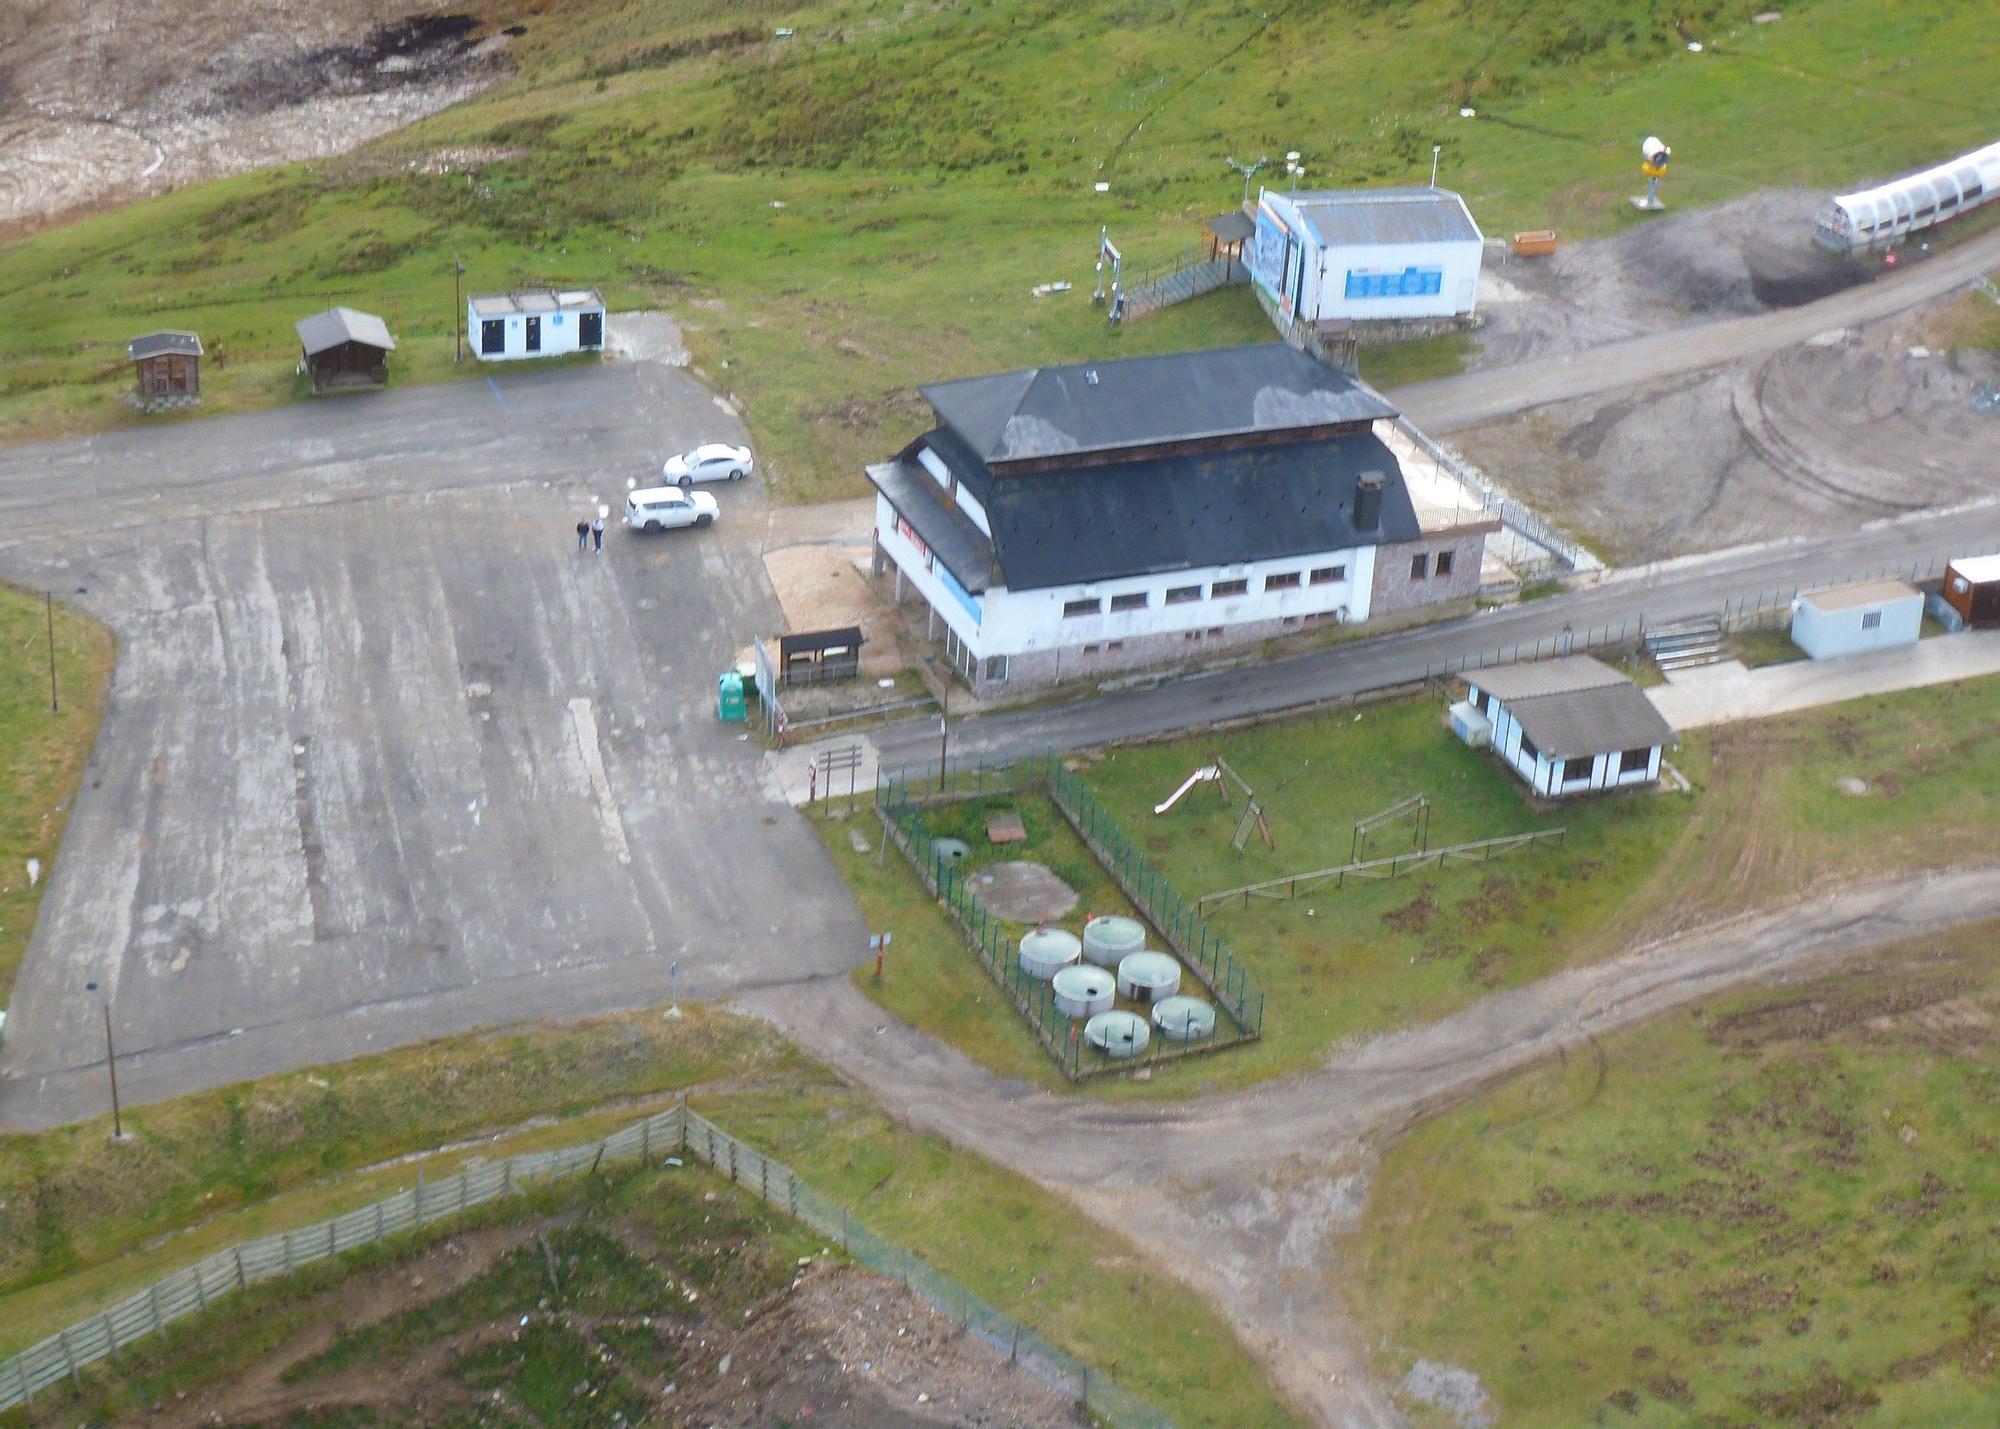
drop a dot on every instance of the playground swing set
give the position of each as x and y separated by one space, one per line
1222 776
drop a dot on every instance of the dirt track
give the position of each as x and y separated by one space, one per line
107 100
1246 1194
1722 438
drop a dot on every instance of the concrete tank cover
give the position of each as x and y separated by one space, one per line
1021 892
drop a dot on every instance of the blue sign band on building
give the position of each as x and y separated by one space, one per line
1387 283
965 597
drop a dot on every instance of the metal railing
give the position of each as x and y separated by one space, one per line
900 801
680 1131
1389 866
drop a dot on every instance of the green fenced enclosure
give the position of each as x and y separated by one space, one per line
675 1133
900 800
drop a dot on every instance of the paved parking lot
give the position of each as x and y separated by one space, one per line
386 756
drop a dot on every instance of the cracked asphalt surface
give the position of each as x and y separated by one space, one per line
385 756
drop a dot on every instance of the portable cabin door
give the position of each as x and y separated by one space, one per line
590 330
534 334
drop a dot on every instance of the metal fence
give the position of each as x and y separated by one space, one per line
900 801
1564 553
1626 635
680 1131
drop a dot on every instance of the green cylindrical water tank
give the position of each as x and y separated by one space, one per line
1108 939
1183 1019
1148 977
1047 951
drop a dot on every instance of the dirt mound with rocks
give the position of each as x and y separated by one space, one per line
107 100
1747 256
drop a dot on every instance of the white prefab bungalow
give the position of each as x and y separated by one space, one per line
1567 726
541 323
1066 522
1848 619
1367 254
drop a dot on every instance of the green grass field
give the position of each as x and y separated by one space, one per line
1773 1208
865 206
42 751
1768 821
92 1222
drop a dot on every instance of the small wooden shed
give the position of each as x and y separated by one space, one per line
168 365
1972 588
345 348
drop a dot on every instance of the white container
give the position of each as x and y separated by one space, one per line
1084 991
1109 939
1117 1034
1047 951
1148 977
1183 1019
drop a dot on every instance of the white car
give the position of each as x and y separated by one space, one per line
712 461
661 508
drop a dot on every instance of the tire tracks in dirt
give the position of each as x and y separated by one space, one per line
1218 1184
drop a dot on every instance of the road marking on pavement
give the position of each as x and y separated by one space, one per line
593 761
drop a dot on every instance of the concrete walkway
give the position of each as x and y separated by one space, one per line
1727 692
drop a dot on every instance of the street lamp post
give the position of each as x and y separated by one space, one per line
111 1061
457 311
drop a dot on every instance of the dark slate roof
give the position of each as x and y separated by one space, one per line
338 325
1576 707
1130 518
1145 401
1344 217
158 344
948 531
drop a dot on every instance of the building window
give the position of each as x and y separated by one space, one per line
1182 594
1576 769
1284 580
996 669
1113 647
1420 565
1074 608
1224 588
1327 575
1215 632
1483 702
1634 761
1444 563
1090 649
1872 620
1135 600
1528 746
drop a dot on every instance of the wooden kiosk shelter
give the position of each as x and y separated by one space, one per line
168 365
345 348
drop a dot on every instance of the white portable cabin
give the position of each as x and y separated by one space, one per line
1365 254
1568 726
1848 619
541 322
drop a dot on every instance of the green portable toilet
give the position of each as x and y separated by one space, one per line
729 696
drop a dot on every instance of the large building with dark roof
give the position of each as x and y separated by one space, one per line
1065 522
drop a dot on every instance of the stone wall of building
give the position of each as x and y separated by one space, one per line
1398 589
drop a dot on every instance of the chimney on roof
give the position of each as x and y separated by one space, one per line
1368 502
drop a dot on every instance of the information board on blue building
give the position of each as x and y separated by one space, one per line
1394 282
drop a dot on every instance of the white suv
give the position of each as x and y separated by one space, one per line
661 508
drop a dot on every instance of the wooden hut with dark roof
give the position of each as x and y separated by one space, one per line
168 368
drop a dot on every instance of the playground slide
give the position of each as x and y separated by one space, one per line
1206 772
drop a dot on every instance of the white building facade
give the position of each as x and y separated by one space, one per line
1367 254
509 327
1068 523
1568 726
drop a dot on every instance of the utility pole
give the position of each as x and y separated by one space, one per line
1436 149
457 311
111 1061
49 609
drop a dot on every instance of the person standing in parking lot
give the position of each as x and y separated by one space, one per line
583 535
597 534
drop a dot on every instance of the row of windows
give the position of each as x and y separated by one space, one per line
1630 761
1421 565
1220 590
